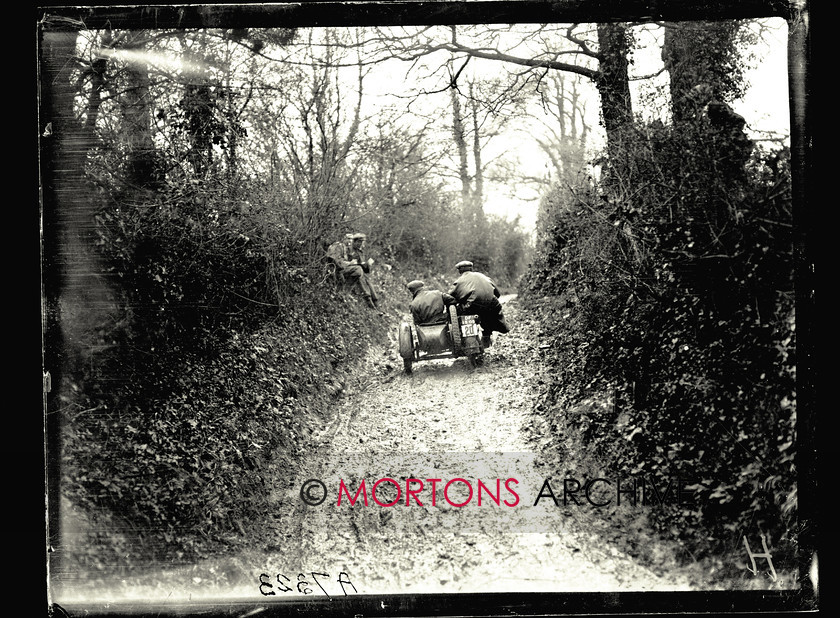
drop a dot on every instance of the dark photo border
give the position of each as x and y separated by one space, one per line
370 13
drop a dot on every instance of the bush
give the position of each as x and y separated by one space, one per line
676 276
222 353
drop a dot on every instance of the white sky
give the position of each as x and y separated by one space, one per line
765 107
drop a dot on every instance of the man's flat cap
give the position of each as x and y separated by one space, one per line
415 285
464 264
358 236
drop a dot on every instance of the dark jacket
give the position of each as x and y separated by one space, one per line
474 288
476 293
429 307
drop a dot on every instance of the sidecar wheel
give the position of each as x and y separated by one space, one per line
406 343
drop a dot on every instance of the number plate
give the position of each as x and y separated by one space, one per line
469 330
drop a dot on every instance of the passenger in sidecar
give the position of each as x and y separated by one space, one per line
428 306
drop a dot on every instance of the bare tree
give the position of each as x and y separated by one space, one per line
599 53
459 137
303 116
478 191
564 126
398 196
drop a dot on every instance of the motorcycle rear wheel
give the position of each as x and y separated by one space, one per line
455 330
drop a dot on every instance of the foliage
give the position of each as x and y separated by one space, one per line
416 222
184 445
675 281
501 248
220 349
705 54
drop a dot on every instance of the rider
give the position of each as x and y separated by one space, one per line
428 306
477 294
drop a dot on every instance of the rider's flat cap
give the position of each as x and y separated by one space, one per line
415 285
358 236
464 264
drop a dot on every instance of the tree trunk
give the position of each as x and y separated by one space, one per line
97 84
478 189
135 107
675 56
702 63
613 80
461 144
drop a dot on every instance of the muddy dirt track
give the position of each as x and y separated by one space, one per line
445 421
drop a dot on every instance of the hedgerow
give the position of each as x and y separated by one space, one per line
672 301
226 348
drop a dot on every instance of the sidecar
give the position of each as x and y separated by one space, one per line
459 335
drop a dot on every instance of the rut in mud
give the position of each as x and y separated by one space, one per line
445 421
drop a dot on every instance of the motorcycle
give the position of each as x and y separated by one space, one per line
458 336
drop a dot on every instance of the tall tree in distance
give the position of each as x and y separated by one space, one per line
460 139
566 126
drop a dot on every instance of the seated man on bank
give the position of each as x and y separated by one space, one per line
428 306
350 260
477 294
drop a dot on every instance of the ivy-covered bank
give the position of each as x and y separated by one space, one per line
665 294
172 456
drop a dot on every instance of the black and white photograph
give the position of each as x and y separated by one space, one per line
445 307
